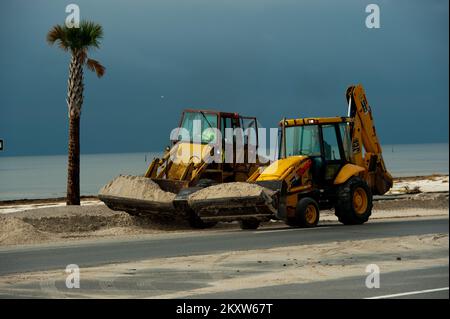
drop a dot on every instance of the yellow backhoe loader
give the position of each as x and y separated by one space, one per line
323 163
188 165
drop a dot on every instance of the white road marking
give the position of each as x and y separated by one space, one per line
287 229
409 293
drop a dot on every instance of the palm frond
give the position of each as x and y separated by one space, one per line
92 33
87 36
94 65
58 34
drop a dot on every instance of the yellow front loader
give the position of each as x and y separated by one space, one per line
187 166
323 163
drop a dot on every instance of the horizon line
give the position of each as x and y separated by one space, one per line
155 152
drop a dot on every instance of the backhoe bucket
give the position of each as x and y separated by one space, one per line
234 201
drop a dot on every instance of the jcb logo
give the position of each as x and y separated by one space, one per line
355 146
364 104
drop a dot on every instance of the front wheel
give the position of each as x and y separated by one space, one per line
306 214
354 202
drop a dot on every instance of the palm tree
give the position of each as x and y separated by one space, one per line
78 41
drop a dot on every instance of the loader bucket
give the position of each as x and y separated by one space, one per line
169 185
137 207
138 195
234 201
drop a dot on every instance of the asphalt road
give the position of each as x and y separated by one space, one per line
19 260
418 283
425 283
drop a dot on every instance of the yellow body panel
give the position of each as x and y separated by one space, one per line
346 172
291 204
182 162
279 169
184 153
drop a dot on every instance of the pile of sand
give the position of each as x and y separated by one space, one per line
136 187
55 224
14 230
231 190
79 222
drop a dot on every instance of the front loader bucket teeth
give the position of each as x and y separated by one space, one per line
259 204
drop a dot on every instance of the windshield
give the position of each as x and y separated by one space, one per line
302 140
200 126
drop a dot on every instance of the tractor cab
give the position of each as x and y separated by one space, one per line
203 150
217 129
227 141
326 141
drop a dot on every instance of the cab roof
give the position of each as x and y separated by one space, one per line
315 120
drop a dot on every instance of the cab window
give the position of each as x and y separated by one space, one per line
206 133
330 143
346 140
302 140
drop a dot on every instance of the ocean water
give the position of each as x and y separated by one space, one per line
45 176
416 159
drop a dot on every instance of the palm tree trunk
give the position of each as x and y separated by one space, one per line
74 102
73 164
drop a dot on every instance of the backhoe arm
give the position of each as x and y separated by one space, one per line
363 134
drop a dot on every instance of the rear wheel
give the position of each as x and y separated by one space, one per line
249 223
354 202
306 214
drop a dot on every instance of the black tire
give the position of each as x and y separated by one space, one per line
347 209
249 223
307 214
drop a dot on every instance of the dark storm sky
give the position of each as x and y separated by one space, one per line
269 58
